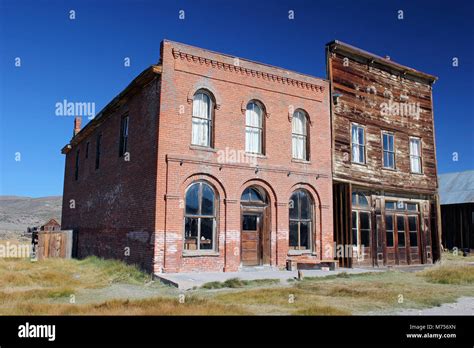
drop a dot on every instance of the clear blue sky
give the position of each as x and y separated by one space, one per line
82 60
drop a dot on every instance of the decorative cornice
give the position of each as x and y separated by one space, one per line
245 71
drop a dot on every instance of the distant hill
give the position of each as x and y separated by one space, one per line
17 213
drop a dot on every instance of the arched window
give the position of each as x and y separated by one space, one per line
299 135
253 195
200 217
202 119
359 199
254 128
301 220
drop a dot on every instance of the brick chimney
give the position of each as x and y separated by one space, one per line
77 125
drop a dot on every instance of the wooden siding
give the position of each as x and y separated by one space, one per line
364 90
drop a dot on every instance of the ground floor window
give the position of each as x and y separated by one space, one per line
301 220
361 228
200 218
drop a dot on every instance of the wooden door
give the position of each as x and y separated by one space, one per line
401 240
251 239
414 239
390 246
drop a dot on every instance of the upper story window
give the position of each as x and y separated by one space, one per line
76 169
202 119
415 155
200 218
388 150
98 150
299 137
254 128
123 148
358 144
87 150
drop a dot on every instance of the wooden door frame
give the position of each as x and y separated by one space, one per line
262 211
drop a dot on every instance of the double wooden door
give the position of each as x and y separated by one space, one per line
402 240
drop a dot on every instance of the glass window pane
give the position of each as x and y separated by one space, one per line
389 205
192 202
365 238
354 198
412 223
304 235
361 135
389 222
385 142
413 239
249 223
363 200
305 205
400 223
412 206
207 207
401 239
207 229
245 195
364 220
294 206
253 140
354 228
190 233
293 235
200 132
255 195
362 154
390 238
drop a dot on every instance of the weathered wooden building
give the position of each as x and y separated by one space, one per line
456 191
384 160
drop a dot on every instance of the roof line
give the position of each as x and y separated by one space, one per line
381 60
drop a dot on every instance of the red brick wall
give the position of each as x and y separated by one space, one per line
185 69
114 213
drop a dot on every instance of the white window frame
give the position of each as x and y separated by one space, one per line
203 118
358 144
300 136
392 152
418 157
260 129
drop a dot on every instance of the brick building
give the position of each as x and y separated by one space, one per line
205 162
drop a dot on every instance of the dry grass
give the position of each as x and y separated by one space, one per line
43 288
239 283
353 294
153 306
450 273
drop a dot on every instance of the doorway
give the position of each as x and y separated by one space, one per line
255 227
251 239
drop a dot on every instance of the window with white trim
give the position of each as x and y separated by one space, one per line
299 135
358 144
202 119
415 155
388 150
254 128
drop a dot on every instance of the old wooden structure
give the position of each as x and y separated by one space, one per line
54 243
384 160
456 192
